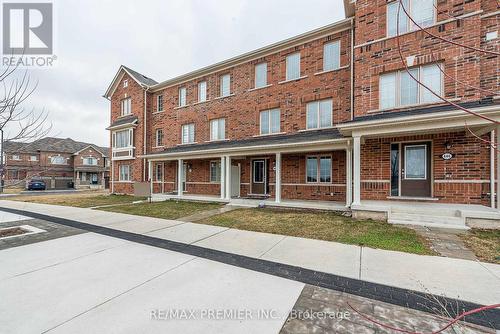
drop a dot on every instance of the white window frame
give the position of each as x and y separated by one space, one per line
269 118
202 91
159 103
158 137
336 65
420 89
87 159
16 157
287 61
216 123
159 172
126 106
182 96
190 133
425 162
58 157
122 173
318 115
217 176
125 83
318 168
410 26
225 92
130 138
33 158
264 73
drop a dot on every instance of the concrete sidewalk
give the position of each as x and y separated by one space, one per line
454 278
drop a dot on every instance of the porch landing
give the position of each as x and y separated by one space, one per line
443 215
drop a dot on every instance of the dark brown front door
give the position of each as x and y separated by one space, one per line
259 177
416 170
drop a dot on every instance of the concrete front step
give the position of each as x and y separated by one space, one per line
427 211
427 220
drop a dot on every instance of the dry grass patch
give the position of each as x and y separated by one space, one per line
329 226
484 243
81 200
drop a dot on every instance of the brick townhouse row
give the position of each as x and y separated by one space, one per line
329 115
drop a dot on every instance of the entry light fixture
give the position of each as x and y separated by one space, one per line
447 145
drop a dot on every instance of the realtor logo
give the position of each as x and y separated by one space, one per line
27 28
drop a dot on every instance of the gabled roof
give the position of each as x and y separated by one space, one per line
141 79
51 144
103 150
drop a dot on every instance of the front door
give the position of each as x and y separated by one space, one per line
416 170
259 177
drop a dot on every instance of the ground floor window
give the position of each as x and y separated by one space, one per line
215 171
159 172
124 173
319 169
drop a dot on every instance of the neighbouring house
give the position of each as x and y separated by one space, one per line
61 162
330 116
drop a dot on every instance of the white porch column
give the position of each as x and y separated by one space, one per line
497 131
277 190
222 177
357 171
348 176
228 178
150 176
180 170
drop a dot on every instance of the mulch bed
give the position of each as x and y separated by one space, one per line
11 231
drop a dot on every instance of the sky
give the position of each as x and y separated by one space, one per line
158 38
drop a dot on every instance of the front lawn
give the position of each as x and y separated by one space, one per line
81 200
167 210
328 226
484 243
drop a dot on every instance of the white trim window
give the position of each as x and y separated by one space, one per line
218 129
270 121
125 83
225 85
331 56
319 114
123 138
159 137
422 12
202 91
58 160
124 174
33 158
182 96
159 103
159 172
293 66
399 89
90 161
260 75
215 171
188 133
319 169
16 157
126 106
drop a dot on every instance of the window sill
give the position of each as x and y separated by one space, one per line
184 144
224 97
334 70
411 106
181 107
258 88
217 140
317 129
200 102
156 147
292 80
123 181
158 112
327 184
269 134
123 116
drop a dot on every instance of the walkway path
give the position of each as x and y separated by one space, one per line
471 281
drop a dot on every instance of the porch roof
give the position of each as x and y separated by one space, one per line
325 136
123 122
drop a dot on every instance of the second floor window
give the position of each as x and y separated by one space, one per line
260 75
58 160
90 161
421 11
202 91
182 96
159 103
399 89
33 158
188 134
124 173
269 121
293 66
319 114
126 106
218 129
16 157
159 137
122 139
331 56
225 85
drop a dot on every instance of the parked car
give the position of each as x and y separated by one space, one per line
35 184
